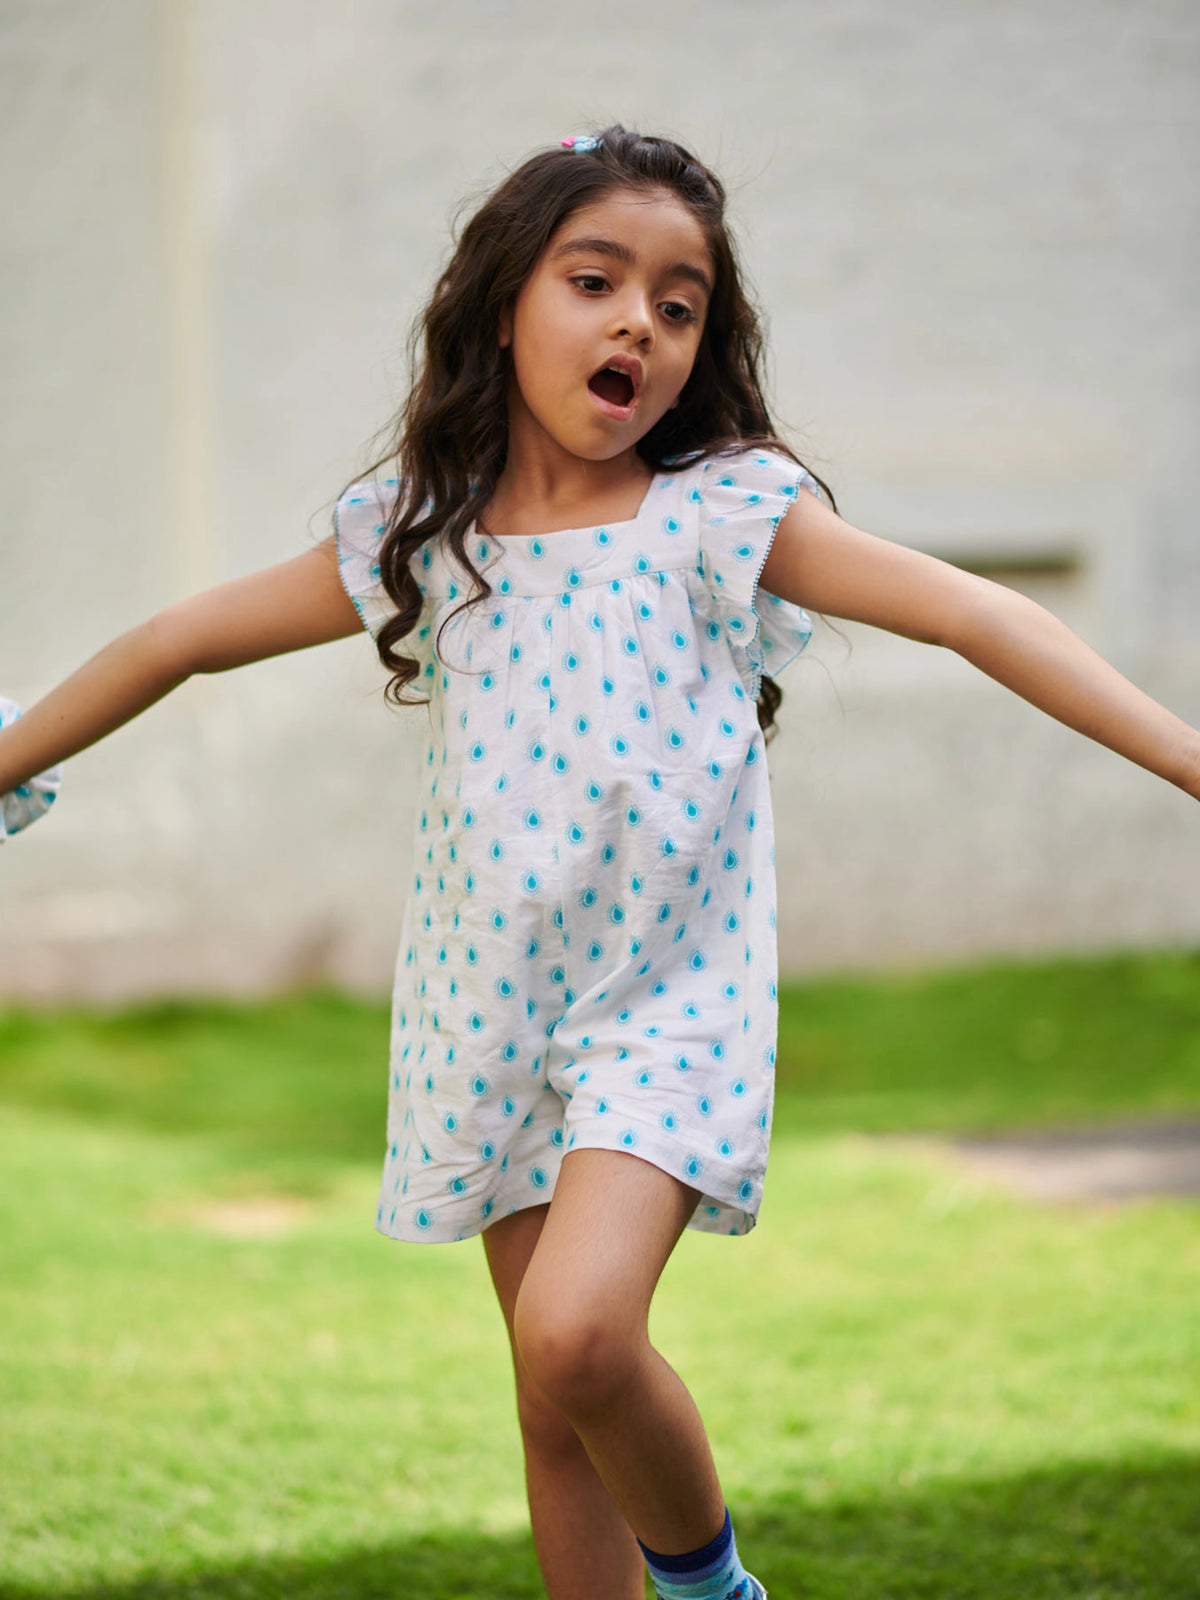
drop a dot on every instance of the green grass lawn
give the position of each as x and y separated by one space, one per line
916 1386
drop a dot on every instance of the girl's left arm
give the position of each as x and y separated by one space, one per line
819 561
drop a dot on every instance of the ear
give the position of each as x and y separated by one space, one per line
505 327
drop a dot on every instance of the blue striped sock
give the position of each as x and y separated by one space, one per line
711 1573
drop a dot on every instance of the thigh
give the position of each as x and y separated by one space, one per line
606 1235
509 1245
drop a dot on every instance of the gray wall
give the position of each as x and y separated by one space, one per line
974 229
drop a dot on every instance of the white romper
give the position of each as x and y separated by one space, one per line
588 952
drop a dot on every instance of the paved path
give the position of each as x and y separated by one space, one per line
1110 1163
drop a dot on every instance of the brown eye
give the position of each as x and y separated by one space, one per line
676 311
590 283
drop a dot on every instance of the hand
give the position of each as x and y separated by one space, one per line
27 801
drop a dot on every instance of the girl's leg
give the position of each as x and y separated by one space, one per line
584 1545
580 1329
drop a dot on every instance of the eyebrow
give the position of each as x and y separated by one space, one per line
622 252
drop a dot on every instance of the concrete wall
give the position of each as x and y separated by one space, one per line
975 232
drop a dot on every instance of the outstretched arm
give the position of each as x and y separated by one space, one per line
819 561
291 606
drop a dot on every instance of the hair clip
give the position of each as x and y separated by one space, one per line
581 141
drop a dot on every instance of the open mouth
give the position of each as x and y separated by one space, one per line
612 385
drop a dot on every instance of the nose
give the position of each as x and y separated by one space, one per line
633 317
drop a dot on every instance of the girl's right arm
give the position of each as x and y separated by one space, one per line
291 606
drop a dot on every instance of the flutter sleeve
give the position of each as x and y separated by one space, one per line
742 499
28 801
359 519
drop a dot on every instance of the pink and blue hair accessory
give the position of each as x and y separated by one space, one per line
27 801
581 141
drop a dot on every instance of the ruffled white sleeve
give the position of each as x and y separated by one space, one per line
742 499
359 519
28 801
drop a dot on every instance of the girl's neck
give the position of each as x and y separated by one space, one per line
542 491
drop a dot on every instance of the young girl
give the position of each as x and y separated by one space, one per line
592 551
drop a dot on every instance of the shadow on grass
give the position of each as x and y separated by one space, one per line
1095 1532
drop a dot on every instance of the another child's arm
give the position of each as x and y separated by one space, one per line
819 561
290 606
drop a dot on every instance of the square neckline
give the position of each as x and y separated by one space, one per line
587 527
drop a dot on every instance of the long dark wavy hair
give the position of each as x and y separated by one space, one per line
447 445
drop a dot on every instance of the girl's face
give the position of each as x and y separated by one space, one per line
605 329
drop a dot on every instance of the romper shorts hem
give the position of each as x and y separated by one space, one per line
729 1207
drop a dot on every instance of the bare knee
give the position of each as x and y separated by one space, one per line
578 1356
